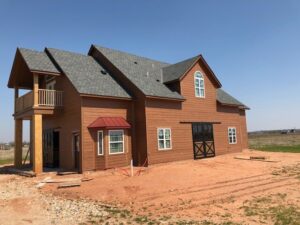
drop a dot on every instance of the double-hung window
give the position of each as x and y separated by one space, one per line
116 141
199 85
164 138
232 135
100 143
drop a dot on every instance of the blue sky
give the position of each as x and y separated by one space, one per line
252 46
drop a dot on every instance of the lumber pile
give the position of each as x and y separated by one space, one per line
63 183
21 172
255 158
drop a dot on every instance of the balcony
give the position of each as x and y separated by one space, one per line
46 99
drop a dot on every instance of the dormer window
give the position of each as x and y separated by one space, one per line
199 85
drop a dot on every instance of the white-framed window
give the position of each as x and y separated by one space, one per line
100 142
199 85
50 85
164 138
232 135
116 141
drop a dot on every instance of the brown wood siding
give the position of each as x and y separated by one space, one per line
139 141
66 121
92 108
166 114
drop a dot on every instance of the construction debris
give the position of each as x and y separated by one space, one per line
63 183
67 185
253 158
63 173
258 157
84 179
21 172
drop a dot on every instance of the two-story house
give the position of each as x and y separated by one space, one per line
99 111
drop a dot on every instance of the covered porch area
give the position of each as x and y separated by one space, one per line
31 72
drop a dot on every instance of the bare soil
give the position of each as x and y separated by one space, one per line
220 190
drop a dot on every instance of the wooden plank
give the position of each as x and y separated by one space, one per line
248 158
21 172
63 173
68 185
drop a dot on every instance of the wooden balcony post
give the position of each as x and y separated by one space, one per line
18 143
16 97
35 90
37 143
31 143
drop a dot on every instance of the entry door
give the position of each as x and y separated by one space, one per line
51 148
48 148
56 149
203 140
76 149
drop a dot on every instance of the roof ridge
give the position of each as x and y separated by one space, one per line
29 49
182 61
67 51
131 54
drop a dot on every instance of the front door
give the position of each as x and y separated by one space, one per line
203 140
51 148
56 149
76 149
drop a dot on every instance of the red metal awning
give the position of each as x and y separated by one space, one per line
110 123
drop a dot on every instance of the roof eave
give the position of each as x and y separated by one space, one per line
165 98
105 96
234 105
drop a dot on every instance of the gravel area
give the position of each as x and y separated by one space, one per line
18 192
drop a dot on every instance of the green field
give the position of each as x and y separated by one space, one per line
275 142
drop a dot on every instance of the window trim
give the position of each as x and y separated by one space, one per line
50 85
100 131
109 142
232 143
164 149
199 87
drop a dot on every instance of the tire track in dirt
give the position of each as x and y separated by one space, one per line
212 186
242 192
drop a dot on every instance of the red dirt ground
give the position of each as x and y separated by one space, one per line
191 189
211 189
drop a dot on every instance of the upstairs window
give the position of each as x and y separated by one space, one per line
164 138
232 135
199 85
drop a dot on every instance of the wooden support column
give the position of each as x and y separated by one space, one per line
35 90
18 143
16 97
37 143
31 143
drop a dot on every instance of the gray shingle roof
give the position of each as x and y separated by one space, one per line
85 74
144 73
175 71
225 98
38 61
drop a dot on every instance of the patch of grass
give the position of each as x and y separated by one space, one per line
289 171
278 148
206 222
284 215
273 208
6 161
142 219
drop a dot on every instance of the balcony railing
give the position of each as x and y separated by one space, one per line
24 102
50 98
46 98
